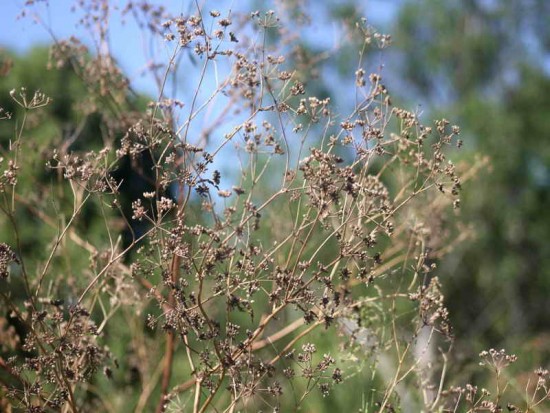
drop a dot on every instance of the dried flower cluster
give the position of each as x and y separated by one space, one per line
472 399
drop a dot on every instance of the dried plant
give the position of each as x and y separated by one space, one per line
262 216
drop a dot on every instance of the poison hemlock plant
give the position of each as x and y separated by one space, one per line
190 253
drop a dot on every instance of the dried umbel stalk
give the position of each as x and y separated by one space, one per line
321 218
504 394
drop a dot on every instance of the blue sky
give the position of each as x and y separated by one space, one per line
20 34
128 43
134 49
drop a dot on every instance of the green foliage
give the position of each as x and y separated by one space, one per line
482 64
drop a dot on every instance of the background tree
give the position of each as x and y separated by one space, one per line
485 65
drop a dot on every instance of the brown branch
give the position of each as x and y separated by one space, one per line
278 335
167 370
170 340
254 346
